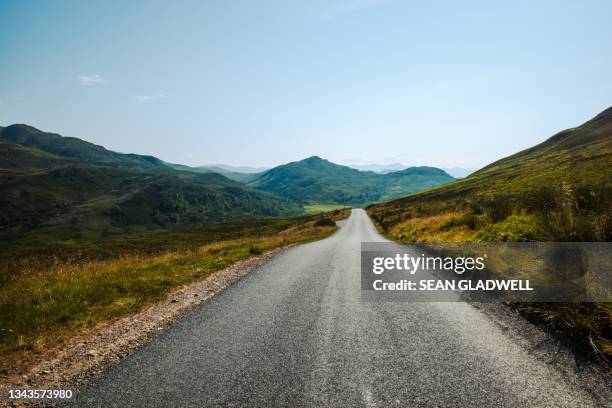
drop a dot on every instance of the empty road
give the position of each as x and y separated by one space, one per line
295 333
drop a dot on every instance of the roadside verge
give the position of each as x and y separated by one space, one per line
85 356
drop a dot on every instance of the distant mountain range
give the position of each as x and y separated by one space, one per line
456 172
248 175
238 169
315 180
239 176
54 187
378 168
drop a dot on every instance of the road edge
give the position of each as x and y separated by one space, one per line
84 357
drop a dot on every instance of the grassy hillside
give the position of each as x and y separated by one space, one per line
71 147
559 190
17 158
315 180
64 189
532 193
49 293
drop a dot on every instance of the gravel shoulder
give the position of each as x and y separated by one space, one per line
86 356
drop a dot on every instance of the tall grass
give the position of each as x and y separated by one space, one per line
43 302
564 212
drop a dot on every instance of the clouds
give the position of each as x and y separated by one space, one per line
95 79
150 98
90 80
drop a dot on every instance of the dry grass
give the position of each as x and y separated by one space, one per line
567 214
42 305
445 227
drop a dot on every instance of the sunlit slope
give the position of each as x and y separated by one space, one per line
578 160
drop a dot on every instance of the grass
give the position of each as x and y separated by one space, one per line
565 213
561 213
559 190
54 293
322 208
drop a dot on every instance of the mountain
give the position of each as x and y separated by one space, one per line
56 188
315 180
241 177
456 172
559 189
378 168
238 169
580 155
236 175
72 147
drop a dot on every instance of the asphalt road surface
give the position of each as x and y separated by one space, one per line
295 333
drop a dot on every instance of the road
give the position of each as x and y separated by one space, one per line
295 333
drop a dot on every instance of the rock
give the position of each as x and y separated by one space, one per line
91 353
174 301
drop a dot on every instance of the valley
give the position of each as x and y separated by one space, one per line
90 235
64 189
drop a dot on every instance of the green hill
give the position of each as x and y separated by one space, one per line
54 188
72 147
315 180
529 193
559 190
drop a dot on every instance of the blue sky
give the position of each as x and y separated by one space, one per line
442 83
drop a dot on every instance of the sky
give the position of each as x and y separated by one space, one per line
261 83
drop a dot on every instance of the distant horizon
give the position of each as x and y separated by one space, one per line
460 171
350 162
257 84
356 164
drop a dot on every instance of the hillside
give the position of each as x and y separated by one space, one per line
315 180
572 165
559 190
72 147
55 188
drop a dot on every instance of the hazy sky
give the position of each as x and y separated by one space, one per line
446 83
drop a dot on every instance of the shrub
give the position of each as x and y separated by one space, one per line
325 222
254 250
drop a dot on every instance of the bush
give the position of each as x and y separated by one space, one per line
254 250
325 222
